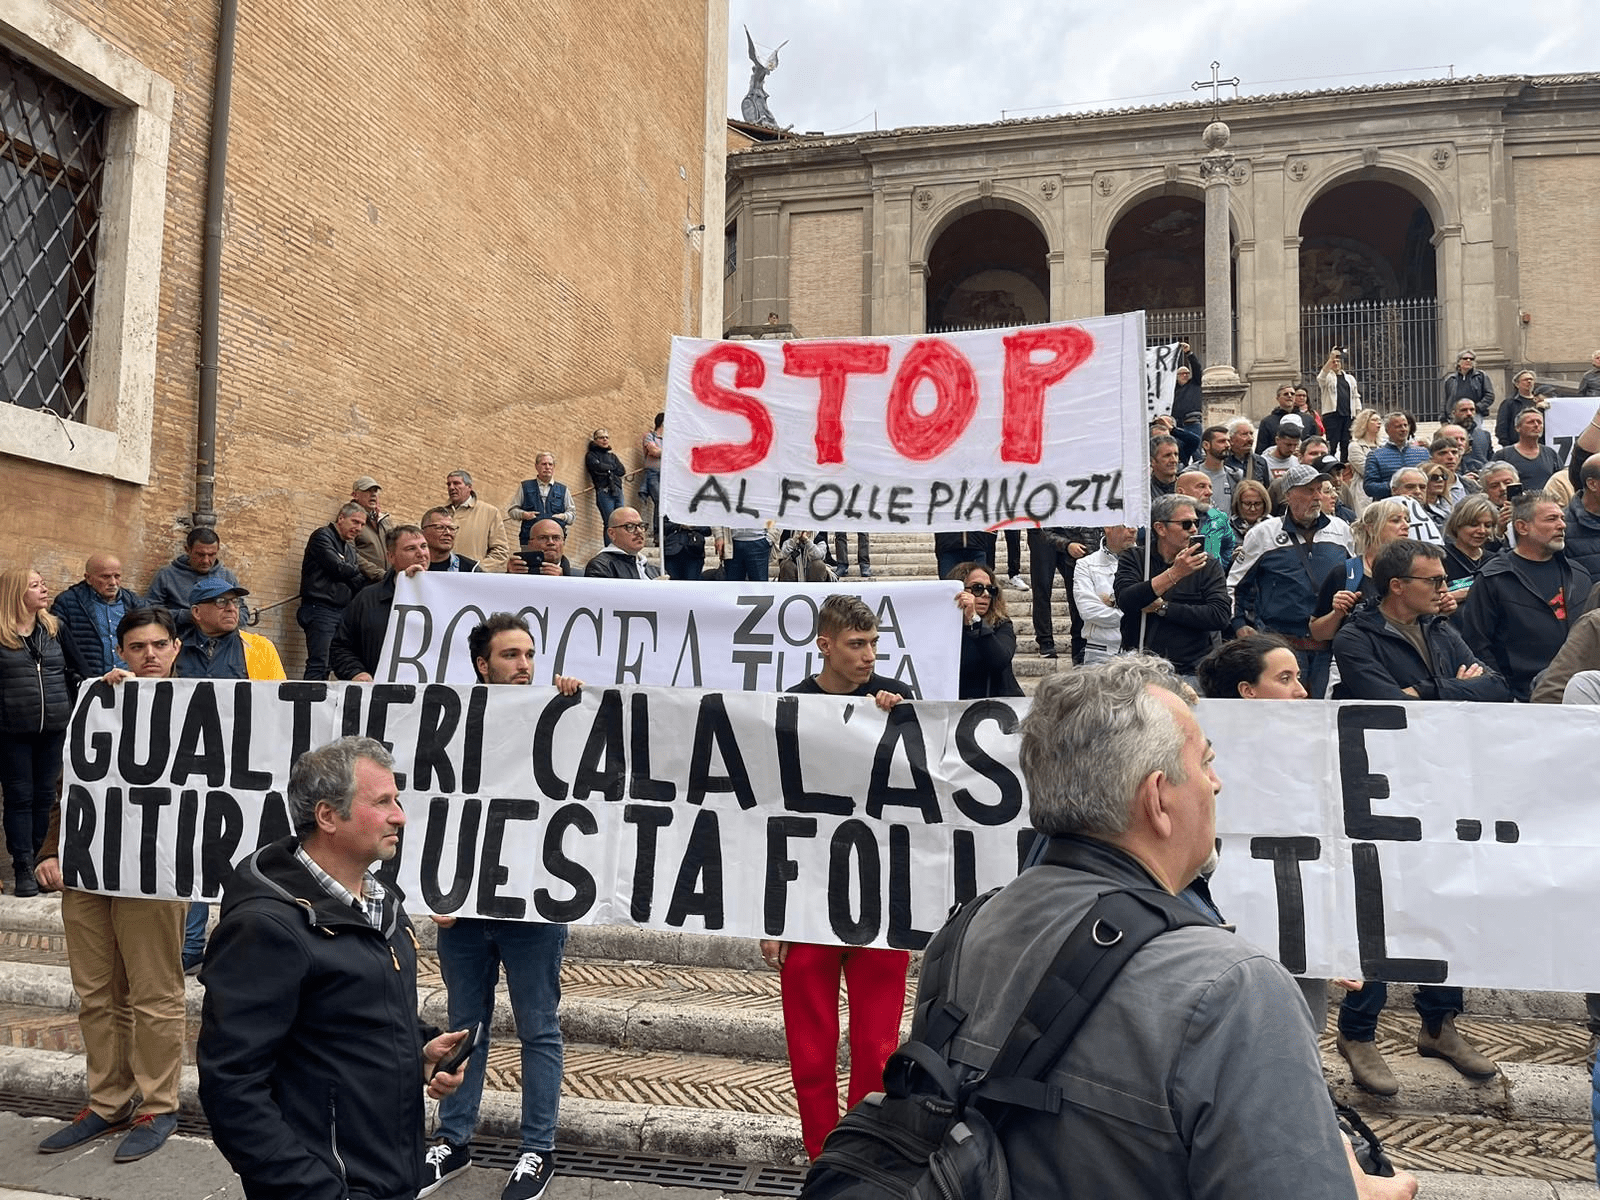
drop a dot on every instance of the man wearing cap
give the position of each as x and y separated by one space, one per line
1466 382
330 575
218 648
369 538
1339 474
1280 568
1286 441
1268 432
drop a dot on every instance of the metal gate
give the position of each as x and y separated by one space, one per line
1392 348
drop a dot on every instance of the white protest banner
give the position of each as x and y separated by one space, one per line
1564 421
1397 841
1161 365
1038 425
756 637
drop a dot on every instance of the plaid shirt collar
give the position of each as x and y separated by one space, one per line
369 904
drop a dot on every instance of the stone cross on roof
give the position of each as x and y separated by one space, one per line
1216 84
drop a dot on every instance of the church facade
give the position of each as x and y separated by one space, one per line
1404 222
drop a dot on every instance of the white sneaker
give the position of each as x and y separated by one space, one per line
440 1164
530 1176
1018 582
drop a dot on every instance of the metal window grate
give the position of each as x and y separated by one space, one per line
52 156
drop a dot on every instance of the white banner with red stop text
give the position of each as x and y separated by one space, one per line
1396 841
1037 425
754 637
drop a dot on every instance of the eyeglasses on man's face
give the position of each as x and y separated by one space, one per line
1191 523
1439 582
632 527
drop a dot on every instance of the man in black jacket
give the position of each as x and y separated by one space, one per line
1466 382
358 642
1400 649
89 612
624 557
1055 550
330 576
312 1059
1181 603
1523 604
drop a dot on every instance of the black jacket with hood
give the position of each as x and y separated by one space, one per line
310 1048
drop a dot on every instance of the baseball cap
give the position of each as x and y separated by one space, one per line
1291 425
1327 464
211 587
366 484
1301 474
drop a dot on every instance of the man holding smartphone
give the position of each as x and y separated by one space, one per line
1175 604
312 1059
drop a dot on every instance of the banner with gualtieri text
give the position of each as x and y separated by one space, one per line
1398 841
1037 425
757 637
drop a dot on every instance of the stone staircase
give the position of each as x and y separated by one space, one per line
675 1047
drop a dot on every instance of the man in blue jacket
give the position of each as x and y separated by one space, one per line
1401 649
1398 452
89 612
1281 566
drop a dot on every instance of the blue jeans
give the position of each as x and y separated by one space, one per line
751 561
194 933
471 953
607 504
650 489
320 624
1358 1014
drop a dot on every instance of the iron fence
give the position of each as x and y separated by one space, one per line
1391 347
52 154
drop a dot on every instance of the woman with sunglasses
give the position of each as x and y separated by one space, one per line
988 639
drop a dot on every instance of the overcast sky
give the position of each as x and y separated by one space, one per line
938 62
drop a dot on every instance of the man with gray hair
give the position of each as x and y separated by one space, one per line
312 1060
1240 456
481 529
1203 1036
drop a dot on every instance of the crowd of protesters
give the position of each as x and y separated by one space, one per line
1319 553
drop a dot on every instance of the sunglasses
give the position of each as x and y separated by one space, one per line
1191 523
983 589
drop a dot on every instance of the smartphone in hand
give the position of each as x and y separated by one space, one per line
451 1063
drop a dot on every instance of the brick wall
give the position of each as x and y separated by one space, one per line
1558 245
826 273
455 234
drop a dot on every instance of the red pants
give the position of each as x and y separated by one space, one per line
876 983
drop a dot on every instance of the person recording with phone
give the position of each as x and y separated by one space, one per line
544 553
1177 604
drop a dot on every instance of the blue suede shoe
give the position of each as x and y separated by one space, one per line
149 1133
85 1127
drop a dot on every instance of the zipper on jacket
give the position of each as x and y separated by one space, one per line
38 669
333 1137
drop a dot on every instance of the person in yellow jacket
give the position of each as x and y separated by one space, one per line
218 648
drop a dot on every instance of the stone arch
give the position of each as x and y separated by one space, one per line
956 207
1152 186
1387 168
986 263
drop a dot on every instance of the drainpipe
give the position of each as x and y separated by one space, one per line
205 471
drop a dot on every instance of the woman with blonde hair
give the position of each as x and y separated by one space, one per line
988 638
1252 504
34 708
1380 523
1366 427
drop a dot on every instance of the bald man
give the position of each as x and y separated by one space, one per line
89 610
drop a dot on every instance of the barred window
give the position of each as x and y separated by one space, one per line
52 153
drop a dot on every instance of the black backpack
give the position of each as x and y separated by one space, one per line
932 1133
